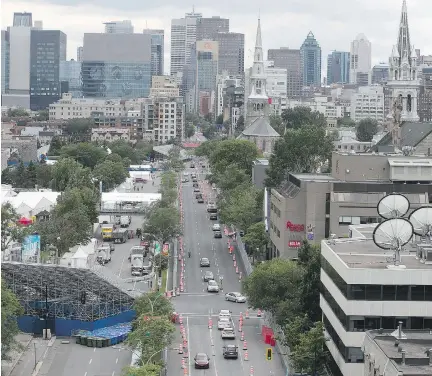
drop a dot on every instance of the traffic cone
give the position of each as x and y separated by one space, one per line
233 257
181 320
246 356
241 316
185 372
237 270
242 337
241 327
180 350
240 276
251 372
183 366
181 327
210 323
247 314
235 264
244 345
259 313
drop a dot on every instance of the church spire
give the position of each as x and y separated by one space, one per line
258 64
403 43
258 41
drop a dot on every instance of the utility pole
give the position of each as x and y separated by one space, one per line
46 311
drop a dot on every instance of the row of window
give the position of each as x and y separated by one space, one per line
359 220
377 292
275 229
363 323
275 209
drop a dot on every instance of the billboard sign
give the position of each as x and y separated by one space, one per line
31 248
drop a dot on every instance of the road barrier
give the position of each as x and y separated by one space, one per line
180 350
237 270
247 311
251 372
242 337
246 356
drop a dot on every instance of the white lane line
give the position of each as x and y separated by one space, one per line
90 361
240 346
213 352
113 373
116 360
188 345
121 266
85 374
94 350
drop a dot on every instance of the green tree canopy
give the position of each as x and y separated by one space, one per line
366 129
273 283
256 238
111 174
240 153
89 155
189 130
206 148
209 131
299 150
219 119
298 117
10 309
125 150
17 112
153 304
163 224
277 124
240 126
144 370
231 178
10 231
55 146
79 126
345 122
66 172
174 160
294 327
73 197
43 175
42 115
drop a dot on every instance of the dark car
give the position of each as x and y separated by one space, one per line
198 196
195 185
200 200
202 360
192 165
230 351
205 262
213 217
217 234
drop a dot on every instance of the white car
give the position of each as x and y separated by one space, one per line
216 227
235 297
225 314
223 323
212 286
228 333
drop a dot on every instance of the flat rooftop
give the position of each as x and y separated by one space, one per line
315 177
358 253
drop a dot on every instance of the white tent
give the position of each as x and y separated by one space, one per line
79 259
66 259
28 204
90 247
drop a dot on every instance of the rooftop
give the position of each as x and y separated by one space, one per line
260 127
315 177
411 135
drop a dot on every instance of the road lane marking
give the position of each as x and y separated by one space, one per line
116 360
85 374
188 345
113 373
94 350
90 361
121 266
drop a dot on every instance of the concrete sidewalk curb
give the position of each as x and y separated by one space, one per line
37 369
26 347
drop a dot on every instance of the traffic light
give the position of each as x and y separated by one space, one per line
269 353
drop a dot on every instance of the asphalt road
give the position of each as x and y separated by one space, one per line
197 305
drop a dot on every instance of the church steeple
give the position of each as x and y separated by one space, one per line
403 44
258 64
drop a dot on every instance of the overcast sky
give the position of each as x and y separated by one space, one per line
285 23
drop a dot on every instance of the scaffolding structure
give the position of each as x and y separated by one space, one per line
66 293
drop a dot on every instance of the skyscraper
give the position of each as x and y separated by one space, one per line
310 53
70 78
231 52
380 74
207 28
290 60
157 50
116 65
338 67
119 27
403 83
360 57
5 50
47 50
79 53
22 19
183 38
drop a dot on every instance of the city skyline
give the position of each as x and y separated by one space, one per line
326 24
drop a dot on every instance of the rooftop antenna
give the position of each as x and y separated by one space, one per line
421 219
393 205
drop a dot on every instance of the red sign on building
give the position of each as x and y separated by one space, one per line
294 244
295 228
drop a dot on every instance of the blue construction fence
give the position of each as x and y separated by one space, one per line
65 328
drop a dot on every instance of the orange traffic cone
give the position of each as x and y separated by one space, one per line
210 323
246 356
251 372
183 363
185 372
259 313
247 313
180 350
242 336
244 345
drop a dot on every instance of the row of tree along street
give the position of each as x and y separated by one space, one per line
288 290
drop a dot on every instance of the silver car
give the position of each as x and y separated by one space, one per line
223 323
208 276
235 297
212 286
228 333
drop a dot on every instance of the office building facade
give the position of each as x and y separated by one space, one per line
19 59
360 57
379 74
22 19
207 28
70 78
116 65
231 52
5 60
368 103
310 53
119 27
47 50
80 50
290 60
338 67
157 50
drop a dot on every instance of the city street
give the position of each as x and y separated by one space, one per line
197 305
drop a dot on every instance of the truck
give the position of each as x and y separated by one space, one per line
125 220
103 255
107 231
104 219
120 235
137 250
139 266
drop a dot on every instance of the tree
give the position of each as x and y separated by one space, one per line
153 304
42 115
240 126
309 356
21 176
277 124
345 122
79 126
69 173
240 153
299 150
10 309
124 150
207 148
162 224
231 178
111 174
219 119
174 160
89 155
271 284
144 370
239 207
55 146
151 336
189 130
168 189
84 197
43 175
256 238
309 258
209 131
160 261
17 112
366 129
209 117
298 117
31 175
294 328
10 230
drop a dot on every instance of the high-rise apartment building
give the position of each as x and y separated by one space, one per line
70 78
207 28
368 103
183 38
119 27
157 50
379 74
290 60
5 51
310 53
338 67
360 57
168 119
116 65
47 50
80 50
23 19
231 52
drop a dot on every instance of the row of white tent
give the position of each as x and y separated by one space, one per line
81 256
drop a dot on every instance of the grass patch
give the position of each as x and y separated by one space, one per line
164 280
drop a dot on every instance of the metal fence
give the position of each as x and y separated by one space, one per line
243 255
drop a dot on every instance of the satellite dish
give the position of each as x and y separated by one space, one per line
393 205
421 220
393 234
